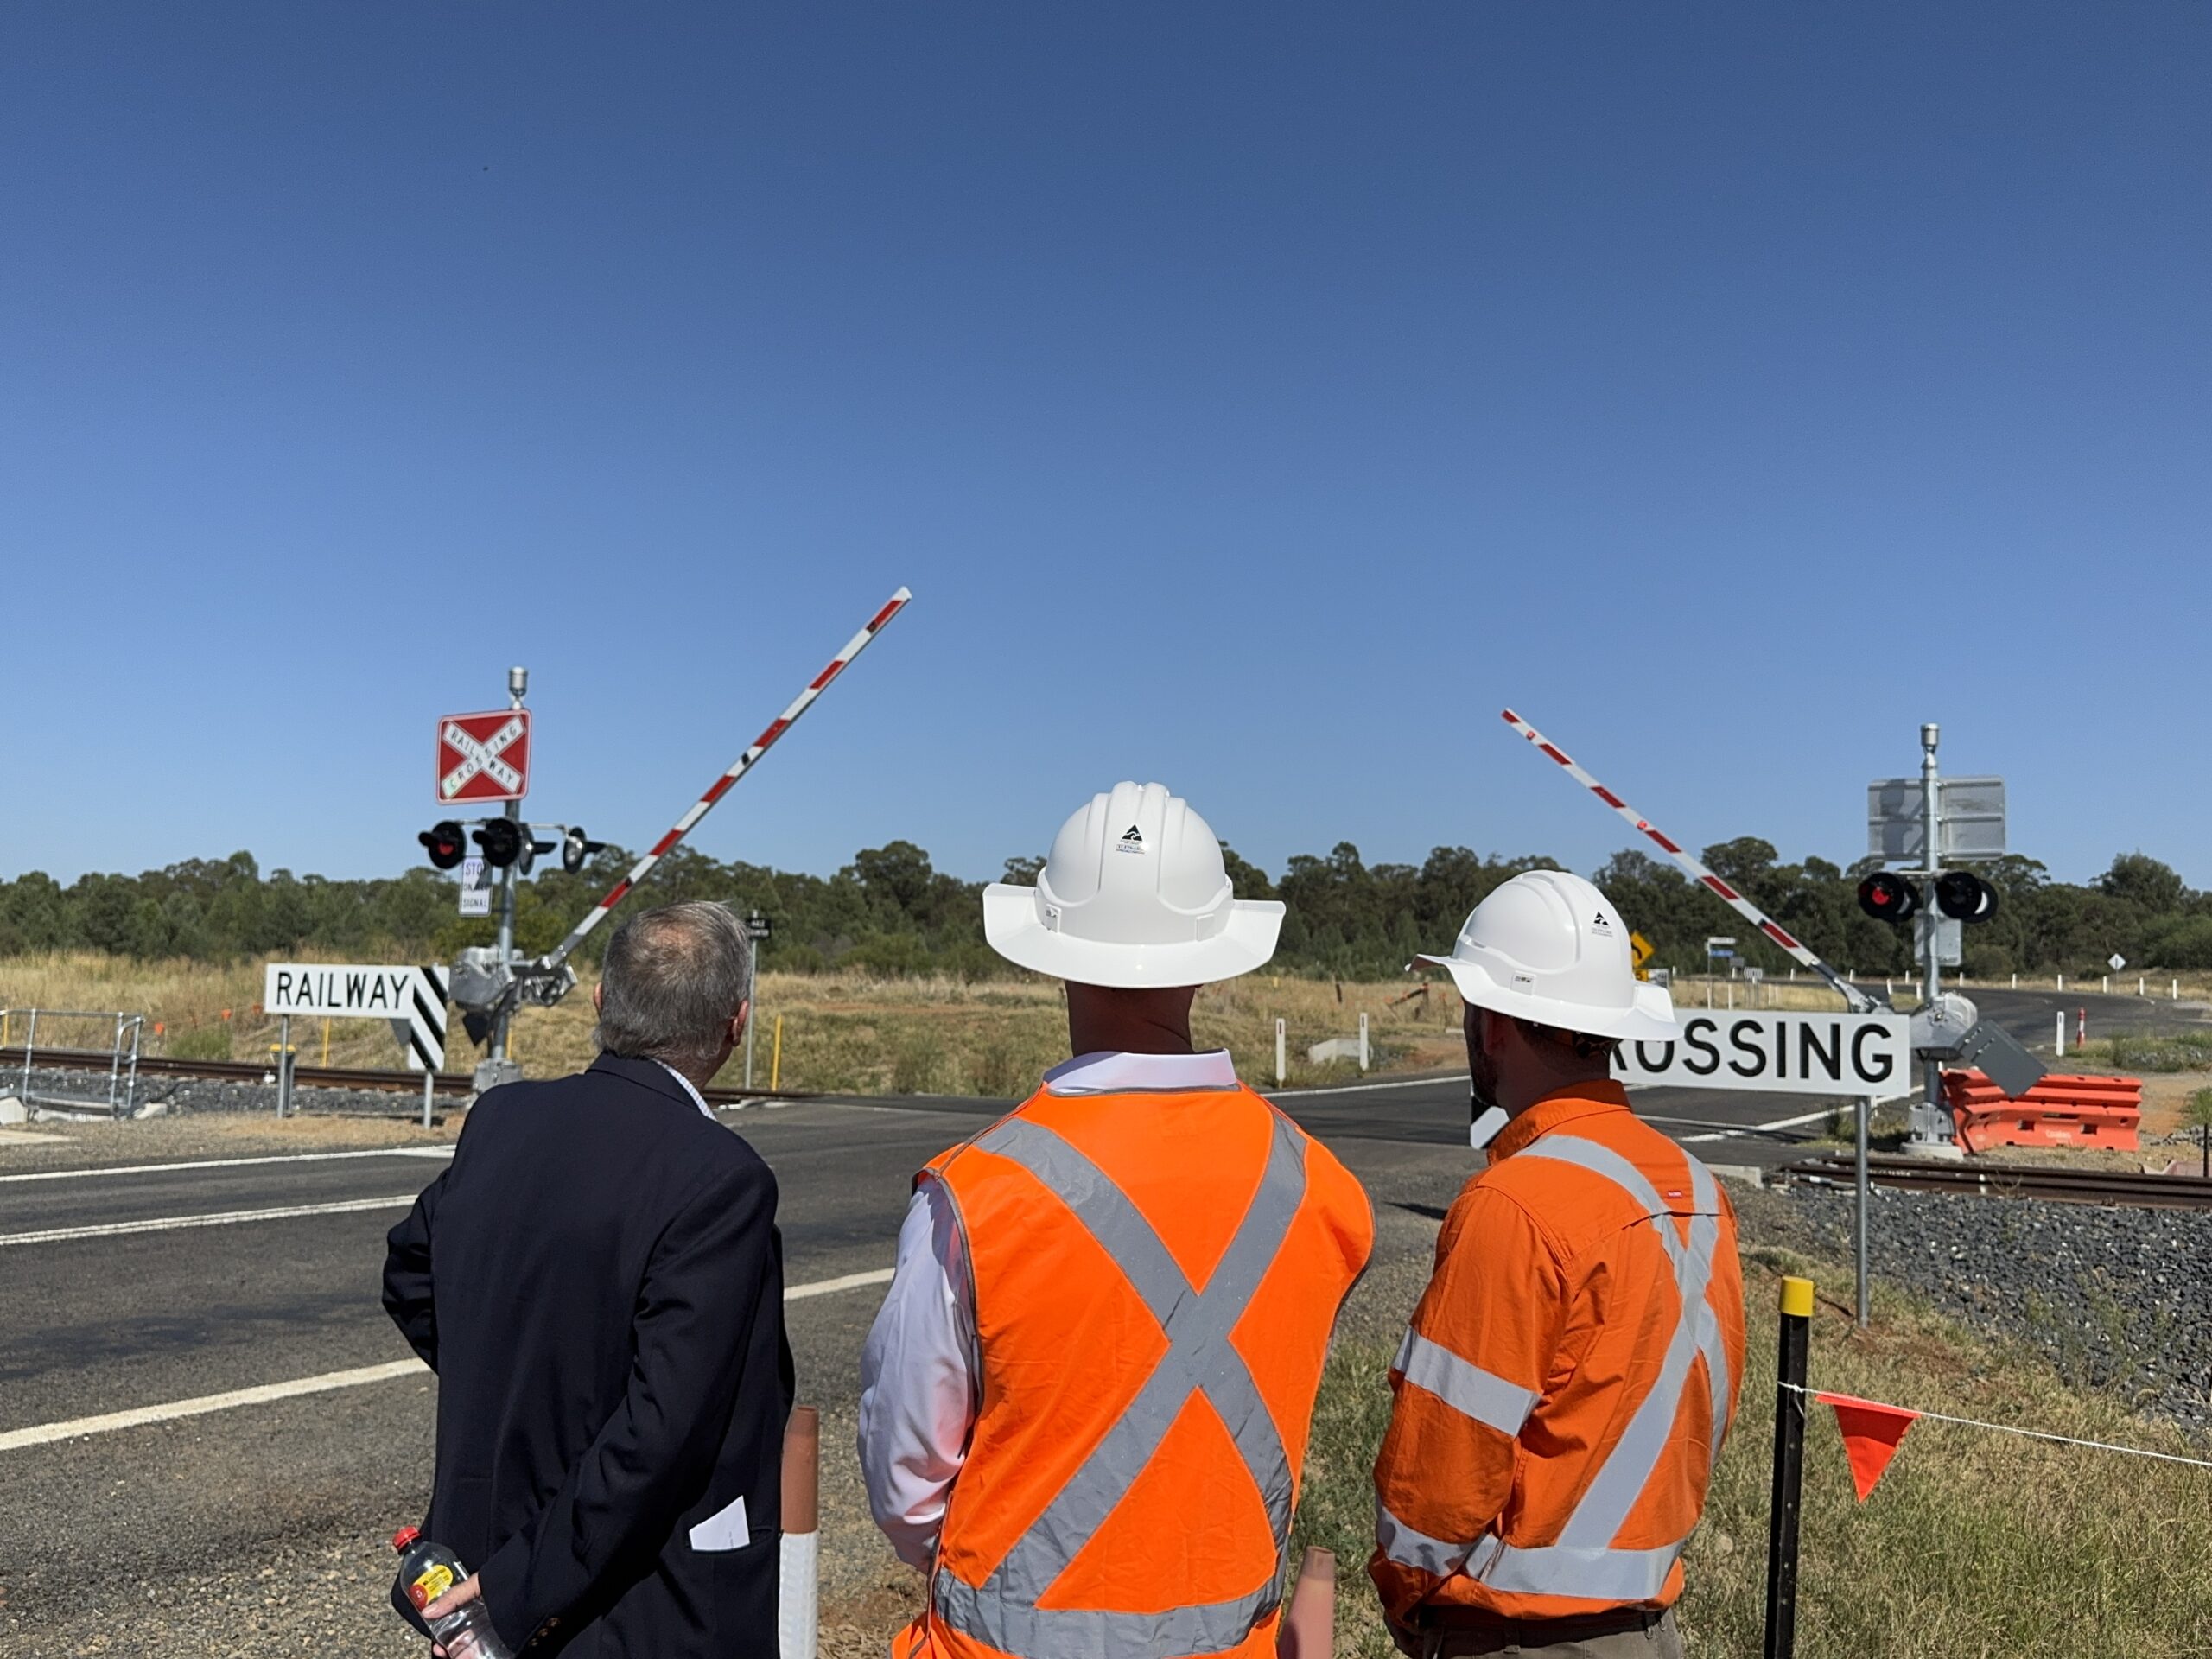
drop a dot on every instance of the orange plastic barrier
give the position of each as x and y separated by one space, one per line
2056 1112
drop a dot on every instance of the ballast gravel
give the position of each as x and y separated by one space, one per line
2118 1298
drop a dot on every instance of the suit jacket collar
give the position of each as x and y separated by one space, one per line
646 1074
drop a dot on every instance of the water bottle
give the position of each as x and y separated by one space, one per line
429 1570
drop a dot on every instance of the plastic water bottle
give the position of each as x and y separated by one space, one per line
429 1570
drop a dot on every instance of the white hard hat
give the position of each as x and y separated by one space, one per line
1547 946
1133 895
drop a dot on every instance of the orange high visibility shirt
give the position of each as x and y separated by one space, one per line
1568 1377
1156 1277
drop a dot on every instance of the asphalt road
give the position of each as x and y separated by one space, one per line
258 1528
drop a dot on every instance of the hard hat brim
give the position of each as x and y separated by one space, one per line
1014 930
1649 1019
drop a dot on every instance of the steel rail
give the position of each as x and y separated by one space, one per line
343 1076
2054 1183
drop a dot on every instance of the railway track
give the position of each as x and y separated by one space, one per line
2050 1182
446 1085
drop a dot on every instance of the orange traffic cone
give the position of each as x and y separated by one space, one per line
1309 1622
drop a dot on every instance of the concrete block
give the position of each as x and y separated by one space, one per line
13 1111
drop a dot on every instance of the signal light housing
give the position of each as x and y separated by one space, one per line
445 843
1888 898
575 849
501 840
1964 897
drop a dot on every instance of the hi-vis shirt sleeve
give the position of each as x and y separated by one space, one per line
1468 1374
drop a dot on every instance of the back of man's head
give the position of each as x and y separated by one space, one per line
672 980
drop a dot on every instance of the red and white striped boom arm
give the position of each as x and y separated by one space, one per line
1857 999
742 765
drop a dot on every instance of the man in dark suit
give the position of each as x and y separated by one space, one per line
598 1282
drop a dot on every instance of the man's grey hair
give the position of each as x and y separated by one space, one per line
672 980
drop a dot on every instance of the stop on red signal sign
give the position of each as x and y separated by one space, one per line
484 757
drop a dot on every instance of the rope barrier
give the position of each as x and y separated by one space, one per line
2006 1429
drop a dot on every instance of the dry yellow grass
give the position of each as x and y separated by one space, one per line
841 1033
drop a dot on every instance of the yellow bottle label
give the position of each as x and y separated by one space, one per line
434 1583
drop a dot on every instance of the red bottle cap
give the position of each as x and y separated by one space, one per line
406 1536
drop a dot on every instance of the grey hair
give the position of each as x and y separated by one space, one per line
671 981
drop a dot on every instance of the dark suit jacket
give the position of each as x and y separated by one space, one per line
598 1282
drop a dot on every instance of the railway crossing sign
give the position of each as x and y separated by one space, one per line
412 999
484 757
1868 1056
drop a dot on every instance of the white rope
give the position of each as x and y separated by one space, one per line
2008 1428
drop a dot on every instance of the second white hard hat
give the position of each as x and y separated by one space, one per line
1547 946
1134 894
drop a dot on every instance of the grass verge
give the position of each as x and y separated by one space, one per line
1974 1543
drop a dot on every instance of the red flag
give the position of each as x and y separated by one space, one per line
1871 1432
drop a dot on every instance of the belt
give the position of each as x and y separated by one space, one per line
1535 1632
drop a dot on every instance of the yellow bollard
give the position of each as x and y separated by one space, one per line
776 1058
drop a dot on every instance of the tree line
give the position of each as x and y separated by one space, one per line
891 911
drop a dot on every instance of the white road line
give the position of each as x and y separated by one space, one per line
228 1163
1822 1116
222 1218
1362 1087
108 1423
830 1286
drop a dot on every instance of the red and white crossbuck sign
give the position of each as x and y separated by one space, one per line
484 757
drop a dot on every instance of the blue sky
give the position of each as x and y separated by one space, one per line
1257 398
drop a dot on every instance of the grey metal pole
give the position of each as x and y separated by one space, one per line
752 979
1865 1112
428 1077
1926 1130
517 685
283 1065
30 1041
115 1063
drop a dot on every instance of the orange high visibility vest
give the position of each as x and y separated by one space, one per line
1156 1276
1567 1380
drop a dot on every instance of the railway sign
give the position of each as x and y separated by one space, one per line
1969 815
484 757
412 999
1868 1056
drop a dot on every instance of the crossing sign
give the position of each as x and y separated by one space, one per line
484 757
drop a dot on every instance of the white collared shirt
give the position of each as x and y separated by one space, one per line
921 1371
690 1089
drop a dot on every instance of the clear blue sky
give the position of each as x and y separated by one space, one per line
1257 398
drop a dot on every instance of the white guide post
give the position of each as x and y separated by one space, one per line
2062 1034
1281 1055
1363 1045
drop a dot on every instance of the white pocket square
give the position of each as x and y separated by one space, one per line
724 1529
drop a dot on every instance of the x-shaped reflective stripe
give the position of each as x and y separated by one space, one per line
1585 1552
1201 1360
481 756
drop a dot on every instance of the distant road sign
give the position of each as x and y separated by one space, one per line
484 757
2116 962
1856 1055
1639 949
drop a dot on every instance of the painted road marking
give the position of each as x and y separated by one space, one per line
108 1423
228 1163
223 1218
1362 1087
1797 1122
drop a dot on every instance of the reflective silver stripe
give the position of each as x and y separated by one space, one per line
1467 1388
1014 1626
1583 1563
1410 1547
1201 1360
1598 1574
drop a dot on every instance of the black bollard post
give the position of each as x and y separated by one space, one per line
1788 1469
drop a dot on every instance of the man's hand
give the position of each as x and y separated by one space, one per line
453 1600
